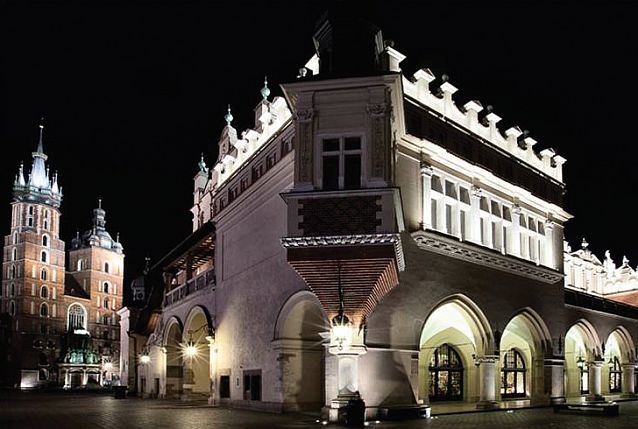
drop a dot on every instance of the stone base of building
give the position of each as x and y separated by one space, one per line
487 405
594 398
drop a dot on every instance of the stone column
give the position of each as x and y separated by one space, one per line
85 377
187 377
555 380
474 224
212 370
548 245
426 194
162 372
595 381
627 381
515 239
487 374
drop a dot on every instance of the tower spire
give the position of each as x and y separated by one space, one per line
40 144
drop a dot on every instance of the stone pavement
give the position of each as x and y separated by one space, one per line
95 411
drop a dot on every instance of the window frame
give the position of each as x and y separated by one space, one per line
341 153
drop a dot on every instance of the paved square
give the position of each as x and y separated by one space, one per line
95 411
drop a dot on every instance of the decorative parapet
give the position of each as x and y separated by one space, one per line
512 140
477 255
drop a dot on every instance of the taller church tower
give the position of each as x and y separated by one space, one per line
34 268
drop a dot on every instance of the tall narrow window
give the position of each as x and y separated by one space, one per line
46 219
30 216
106 290
14 254
341 163
446 375
44 292
513 375
43 274
45 241
44 257
107 268
106 301
615 375
44 310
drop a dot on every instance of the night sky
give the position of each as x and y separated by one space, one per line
132 92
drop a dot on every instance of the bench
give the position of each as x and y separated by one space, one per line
601 408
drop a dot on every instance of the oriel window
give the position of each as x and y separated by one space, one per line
341 163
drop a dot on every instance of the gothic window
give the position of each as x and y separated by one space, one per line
13 272
105 319
14 254
513 375
76 317
44 310
44 292
446 375
15 238
44 257
107 268
12 308
341 163
30 216
106 300
615 375
46 219
106 290
12 290
43 274
45 240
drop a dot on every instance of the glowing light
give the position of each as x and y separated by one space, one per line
145 359
190 350
108 366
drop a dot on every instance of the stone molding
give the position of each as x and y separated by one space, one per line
472 253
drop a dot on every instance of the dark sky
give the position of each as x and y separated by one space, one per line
132 92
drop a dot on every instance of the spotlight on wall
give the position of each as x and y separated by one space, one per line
145 359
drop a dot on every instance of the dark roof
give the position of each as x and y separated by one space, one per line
196 249
73 288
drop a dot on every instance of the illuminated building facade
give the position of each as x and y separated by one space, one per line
371 238
62 322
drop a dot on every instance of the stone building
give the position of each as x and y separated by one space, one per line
371 238
63 325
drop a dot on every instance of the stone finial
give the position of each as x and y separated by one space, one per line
584 244
265 91
202 164
625 261
228 117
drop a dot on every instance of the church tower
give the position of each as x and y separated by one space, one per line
33 269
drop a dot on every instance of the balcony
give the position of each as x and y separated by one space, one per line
204 280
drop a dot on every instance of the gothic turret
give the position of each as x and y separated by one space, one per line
98 236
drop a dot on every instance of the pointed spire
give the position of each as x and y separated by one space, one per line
117 237
54 188
40 144
99 202
228 117
20 178
265 91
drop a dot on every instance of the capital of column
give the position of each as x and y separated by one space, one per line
549 224
629 365
211 340
305 114
516 209
487 359
596 363
426 169
476 192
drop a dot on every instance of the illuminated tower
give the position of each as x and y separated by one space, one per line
33 270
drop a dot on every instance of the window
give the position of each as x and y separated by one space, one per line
107 268
43 274
513 375
44 292
446 375
45 240
105 319
46 220
106 300
224 386
12 308
341 163
615 375
44 310
13 272
252 385
14 254
106 289
12 290
80 264
44 257
30 216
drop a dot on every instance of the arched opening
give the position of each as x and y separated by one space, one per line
107 267
196 353
80 265
454 333
581 347
618 351
14 254
45 240
106 302
106 287
44 257
44 310
44 274
298 340
76 317
523 346
174 360
44 292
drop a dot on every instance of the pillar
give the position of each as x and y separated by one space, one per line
212 370
487 373
85 377
426 195
161 365
627 381
187 377
515 239
554 380
474 224
548 245
595 381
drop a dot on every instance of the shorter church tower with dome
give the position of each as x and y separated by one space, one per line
62 327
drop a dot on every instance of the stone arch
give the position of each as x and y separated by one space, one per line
526 333
619 357
196 355
297 339
582 343
625 343
173 335
458 322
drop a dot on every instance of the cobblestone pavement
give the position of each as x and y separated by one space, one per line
79 411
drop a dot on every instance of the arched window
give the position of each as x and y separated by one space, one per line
446 375
46 219
45 240
15 238
30 216
107 267
43 274
106 301
12 308
106 288
44 310
80 265
513 375
12 290
44 257
14 254
615 375
584 373
13 272
76 317
44 292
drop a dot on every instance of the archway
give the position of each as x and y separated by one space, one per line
582 346
462 330
619 357
297 338
523 347
196 353
174 359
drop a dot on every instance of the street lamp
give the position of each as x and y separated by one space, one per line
341 326
145 358
580 362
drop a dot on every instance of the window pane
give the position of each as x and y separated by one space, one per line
520 382
465 195
352 143
330 145
331 172
352 175
436 184
449 189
